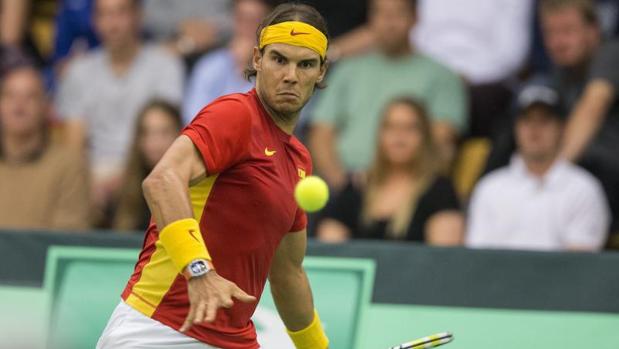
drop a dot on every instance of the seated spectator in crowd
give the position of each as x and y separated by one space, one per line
346 115
11 57
189 27
103 91
486 42
157 127
74 31
42 185
14 15
348 29
401 197
16 37
586 73
221 72
540 201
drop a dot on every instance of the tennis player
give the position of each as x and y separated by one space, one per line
224 216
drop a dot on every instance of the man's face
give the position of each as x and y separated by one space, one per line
538 134
568 38
117 22
391 22
287 76
22 103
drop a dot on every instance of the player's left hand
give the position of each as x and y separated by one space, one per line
208 293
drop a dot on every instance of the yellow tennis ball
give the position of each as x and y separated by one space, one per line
311 193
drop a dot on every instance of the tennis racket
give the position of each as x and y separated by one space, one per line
432 341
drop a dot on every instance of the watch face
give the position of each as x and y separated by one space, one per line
198 267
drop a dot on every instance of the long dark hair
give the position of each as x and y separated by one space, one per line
423 168
131 204
291 12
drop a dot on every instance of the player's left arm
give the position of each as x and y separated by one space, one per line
292 294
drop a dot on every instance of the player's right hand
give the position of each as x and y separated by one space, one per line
208 293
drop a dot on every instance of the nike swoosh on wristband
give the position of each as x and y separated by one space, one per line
191 232
268 152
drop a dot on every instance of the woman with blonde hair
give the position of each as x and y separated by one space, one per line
157 127
401 196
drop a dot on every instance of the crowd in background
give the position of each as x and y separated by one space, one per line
484 123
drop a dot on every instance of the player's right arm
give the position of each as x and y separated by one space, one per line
166 190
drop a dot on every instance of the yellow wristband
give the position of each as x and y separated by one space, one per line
311 337
183 242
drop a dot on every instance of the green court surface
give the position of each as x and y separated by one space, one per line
21 322
386 325
23 318
83 285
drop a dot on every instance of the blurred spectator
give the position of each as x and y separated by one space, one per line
42 185
606 10
190 27
608 13
157 127
539 201
346 115
348 28
485 41
13 21
100 96
75 33
401 197
12 56
16 37
221 72
586 72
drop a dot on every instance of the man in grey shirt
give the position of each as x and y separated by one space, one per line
101 94
586 73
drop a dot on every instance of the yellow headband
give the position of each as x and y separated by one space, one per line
295 33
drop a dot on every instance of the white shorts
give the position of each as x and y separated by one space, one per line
130 329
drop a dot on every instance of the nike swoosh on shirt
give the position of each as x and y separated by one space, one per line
268 152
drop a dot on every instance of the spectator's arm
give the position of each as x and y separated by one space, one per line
74 133
13 20
587 118
479 226
194 36
322 141
445 229
71 210
332 231
71 106
445 224
354 42
589 219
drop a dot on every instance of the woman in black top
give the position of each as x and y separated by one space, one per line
401 197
